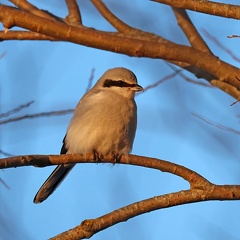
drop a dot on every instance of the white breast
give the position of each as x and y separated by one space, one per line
105 122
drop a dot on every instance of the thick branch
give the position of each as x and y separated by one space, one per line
89 227
126 45
200 189
212 8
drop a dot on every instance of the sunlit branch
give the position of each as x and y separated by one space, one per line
24 35
74 15
111 18
209 7
189 30
200 188
28 7
90 227
127 45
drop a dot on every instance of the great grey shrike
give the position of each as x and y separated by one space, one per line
104 122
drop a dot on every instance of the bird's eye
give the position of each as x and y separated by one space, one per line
120 82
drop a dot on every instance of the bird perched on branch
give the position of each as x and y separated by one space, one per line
104 122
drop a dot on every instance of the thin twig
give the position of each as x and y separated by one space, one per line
4 184
234 36
5 153
219 44
215 124
167 77
2 54
36 115
15 110
182 75
90 79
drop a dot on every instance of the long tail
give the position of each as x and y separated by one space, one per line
53 181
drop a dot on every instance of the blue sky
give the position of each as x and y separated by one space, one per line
55 76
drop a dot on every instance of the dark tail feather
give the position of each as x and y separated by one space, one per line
53 181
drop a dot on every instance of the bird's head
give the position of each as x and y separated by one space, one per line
121 80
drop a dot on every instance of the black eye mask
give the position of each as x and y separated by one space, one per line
110 83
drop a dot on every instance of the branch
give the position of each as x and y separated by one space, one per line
28 7
74 15
90 227
36 115
125 45
167 77
111 18
222 127
219 44
200 189
24 35
182 75
189 30
15 110
212 8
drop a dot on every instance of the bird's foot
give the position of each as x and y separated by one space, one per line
98 157
116 158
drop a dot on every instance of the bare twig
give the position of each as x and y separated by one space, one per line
15 110
182 75
2 54
74 15
90 79
215 124
209 7
234 36
36 115
219 44
167 77
4 184
5 153
189 30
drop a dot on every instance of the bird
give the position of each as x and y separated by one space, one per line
104 122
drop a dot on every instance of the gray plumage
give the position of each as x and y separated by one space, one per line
104 121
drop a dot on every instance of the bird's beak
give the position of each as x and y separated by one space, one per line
137 88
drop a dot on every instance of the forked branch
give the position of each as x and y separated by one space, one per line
200 189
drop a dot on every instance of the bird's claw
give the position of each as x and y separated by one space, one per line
116 158
98 157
